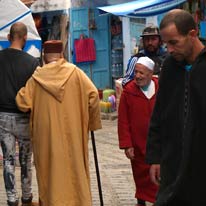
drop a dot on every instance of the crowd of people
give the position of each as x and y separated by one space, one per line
160 118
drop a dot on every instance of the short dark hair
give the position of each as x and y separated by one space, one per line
18 30
182 19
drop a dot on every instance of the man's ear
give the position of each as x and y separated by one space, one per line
193 33
8 37
25 37
62 54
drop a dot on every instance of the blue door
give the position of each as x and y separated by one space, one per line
98 71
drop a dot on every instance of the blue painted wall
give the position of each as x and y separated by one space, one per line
98 71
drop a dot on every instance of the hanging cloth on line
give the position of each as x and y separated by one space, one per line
84 50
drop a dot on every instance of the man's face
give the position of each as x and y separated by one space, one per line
142 75
151 43
179 46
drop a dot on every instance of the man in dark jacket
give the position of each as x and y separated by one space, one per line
176 139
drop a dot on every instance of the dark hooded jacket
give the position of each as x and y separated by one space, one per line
177 132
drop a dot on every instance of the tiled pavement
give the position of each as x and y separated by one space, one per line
115 171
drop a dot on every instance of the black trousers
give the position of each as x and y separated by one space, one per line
179 202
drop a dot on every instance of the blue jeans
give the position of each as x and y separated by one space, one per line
15 127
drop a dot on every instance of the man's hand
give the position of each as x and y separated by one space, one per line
129 152
155 173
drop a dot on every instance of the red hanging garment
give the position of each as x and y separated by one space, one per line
84 49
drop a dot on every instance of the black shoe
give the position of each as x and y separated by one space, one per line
13 203
27 200
141 202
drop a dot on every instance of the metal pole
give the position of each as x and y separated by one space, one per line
97 169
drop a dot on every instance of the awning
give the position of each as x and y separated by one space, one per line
141 8
49 5
12 11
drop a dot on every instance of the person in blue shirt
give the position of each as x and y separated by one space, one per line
152 48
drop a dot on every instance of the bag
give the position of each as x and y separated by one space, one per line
84 50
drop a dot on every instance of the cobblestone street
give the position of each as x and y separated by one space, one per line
115 171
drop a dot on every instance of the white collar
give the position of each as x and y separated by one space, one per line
150 91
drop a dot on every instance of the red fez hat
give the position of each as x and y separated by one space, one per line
53 46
